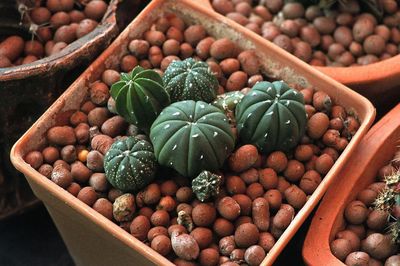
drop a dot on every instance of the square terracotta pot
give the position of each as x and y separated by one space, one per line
375 150
90 237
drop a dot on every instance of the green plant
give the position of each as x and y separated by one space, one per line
389 200
373 6
271 116
190 80
227 102
130 164
191 137
140 96
206 185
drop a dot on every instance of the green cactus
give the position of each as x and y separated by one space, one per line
190 80
271 116
130 164
206 185
227 102
191 137
389 199
140 96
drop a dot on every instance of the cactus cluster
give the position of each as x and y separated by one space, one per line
389 200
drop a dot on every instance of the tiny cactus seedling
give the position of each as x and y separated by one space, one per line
130 164
206 185
140 96
191 136
185 220
227 102
271 116
190 80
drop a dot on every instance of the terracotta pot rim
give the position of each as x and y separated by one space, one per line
290 62
363 74
63 59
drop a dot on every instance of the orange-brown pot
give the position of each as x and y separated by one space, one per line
90 237
379 82
375 150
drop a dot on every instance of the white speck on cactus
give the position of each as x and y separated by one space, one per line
266 135
167 126
254 94
176 113
249 115
202 106
287 103
174 148
195 135
215 134
270 113
287 122
135 153
294 92
269 89
201 157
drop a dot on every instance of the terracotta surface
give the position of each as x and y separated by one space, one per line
379 82
94 240
375 150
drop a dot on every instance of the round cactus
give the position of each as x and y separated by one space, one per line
140 96
190 80
271 116
206 185
130 164
191 137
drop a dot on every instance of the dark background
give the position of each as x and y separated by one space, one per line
32 239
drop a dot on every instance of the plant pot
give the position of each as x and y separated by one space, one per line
31 88
375 150
81 226
379 82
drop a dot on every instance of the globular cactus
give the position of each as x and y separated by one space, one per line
271 116
389 200
140 96
206 185
191 136
190 80
130 164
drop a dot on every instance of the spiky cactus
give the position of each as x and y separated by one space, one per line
389 200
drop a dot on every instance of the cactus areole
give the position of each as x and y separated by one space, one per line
140 96
271 116
190 80
191 136
130 164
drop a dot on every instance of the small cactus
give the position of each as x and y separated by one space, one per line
206 185
185 220
389 200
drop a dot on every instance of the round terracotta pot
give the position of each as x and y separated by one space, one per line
379 82
375 150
